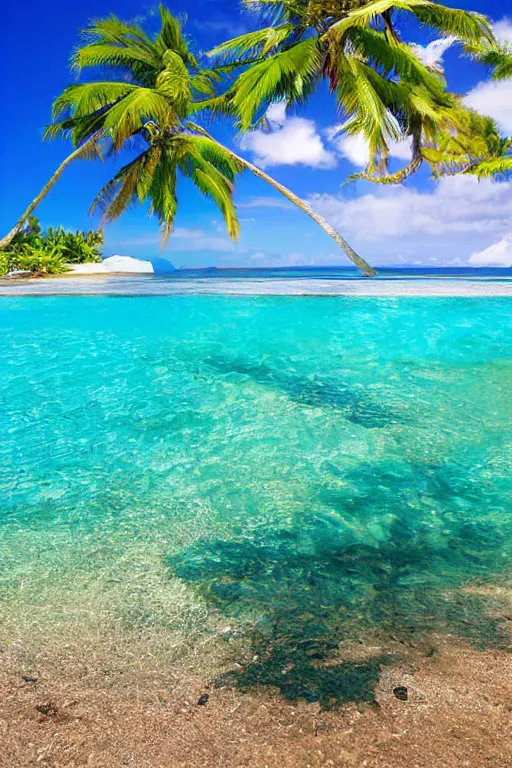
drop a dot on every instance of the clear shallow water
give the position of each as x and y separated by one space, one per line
273 282
316 470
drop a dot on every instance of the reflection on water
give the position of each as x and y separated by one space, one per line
318 472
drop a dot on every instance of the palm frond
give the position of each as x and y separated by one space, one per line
467 26
196 163
141 63
82 99
500 167
392 61
174 83
498 60
171 37
220 157
204 82
162 193
215 186
120 192
290 75
128 116
258 43
111 29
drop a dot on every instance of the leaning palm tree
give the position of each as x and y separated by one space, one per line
151 102
383 91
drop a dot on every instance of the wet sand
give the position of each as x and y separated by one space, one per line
458 714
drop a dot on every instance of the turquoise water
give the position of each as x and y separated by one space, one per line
314 471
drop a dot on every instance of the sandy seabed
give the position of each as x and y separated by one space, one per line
84 708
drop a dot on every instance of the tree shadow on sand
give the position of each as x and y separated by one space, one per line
307 588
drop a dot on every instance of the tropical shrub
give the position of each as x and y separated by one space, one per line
47 253
78 247
38 259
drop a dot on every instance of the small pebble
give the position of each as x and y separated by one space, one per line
401 692
48 708
203 699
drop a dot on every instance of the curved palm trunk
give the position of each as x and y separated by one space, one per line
360 263
83 149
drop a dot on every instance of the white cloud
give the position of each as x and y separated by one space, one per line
432 54
355 148
266 202
496 255
294 259
503 30
290 141
184 233
183 239
494 98
458 204
276 113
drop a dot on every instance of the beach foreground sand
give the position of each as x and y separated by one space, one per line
457 714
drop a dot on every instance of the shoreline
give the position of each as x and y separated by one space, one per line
151 285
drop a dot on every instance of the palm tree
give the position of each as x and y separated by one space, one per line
477 148
155 89
382 89
85 150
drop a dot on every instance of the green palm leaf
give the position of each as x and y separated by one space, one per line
130 115
467 26
82 99
258 43
495 168
171 37
291 75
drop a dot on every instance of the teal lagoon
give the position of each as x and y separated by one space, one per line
300 473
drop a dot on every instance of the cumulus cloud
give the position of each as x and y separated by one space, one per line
183 239
432 54
494 98
503 30
290 141
355 148
266 202
458 204
496 255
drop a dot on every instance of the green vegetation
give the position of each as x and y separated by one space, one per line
383 91
152 91
47 253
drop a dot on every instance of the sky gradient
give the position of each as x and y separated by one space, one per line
457 221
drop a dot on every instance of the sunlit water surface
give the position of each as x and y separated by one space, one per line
315 470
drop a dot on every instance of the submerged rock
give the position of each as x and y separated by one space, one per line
401 692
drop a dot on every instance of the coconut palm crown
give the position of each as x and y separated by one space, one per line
383 90
140 95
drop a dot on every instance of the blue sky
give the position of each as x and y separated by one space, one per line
457 221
